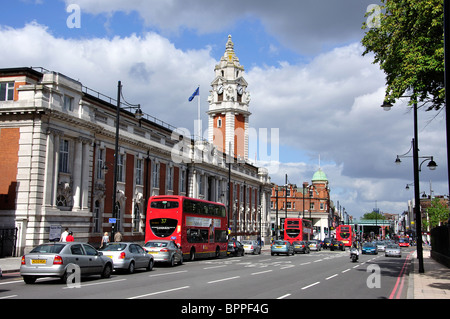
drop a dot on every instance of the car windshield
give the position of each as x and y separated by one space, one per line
156 244
280 242
368 245
247 242
392 246
48 248
114 247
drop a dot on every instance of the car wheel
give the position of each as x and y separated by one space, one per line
131 268
150 265
106 273
181 259
29 279
172 261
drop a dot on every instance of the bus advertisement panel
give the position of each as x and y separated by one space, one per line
345 234
297 229
199 227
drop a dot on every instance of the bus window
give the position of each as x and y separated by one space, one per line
164 204
163 227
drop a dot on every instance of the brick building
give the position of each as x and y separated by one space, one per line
309 201
56 165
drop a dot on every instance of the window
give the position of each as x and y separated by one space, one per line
219 122
139 172
68 103
120 164
155 175
7 91
100 164
170 178
137 218
64 156
97 217
183 181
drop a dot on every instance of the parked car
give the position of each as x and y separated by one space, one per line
52 260
301 247
336 244
314 245
369 248
281 247
164 251
128 256
251 247
235 248
381 245
393 250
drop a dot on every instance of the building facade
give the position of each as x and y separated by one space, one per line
57 165
310 201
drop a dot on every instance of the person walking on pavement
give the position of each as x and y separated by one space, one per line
105 239
118 237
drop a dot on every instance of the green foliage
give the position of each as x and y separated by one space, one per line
408 43
373 215
438 213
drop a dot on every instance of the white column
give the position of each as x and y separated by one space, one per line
55 169
76 173
85 177
49 169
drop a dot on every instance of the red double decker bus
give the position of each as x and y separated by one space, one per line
297 229
345 234
199 227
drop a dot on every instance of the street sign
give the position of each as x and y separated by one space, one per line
112 220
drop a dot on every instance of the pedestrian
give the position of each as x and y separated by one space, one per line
70 237
118 237
64 235
105 239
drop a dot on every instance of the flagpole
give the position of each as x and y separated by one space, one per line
198 115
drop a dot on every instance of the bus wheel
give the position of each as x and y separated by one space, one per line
192 255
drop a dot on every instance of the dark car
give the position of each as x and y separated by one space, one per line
335 244
301 247
326 243
235 248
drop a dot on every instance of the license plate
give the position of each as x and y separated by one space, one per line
110 257
311 245
153 252
297 247
38 261
278 246
246 247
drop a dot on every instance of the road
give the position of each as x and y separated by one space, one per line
318 275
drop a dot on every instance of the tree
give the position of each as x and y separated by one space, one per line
373 215
407 40
437 213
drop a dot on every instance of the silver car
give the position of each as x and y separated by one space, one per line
53 260
164 251
314 245
251 247
128 256
381 245
393 250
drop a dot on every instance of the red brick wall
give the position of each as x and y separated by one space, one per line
9 146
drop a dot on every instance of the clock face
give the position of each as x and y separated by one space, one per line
220 89
240 90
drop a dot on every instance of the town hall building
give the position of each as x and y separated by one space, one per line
58 141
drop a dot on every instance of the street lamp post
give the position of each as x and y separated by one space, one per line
138 116
387 106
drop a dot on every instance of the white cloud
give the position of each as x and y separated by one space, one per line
327 107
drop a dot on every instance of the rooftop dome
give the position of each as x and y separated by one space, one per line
319 176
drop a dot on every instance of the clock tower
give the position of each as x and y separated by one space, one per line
228 106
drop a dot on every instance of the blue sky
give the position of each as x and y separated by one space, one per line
303 62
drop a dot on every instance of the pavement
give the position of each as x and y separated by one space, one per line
434 283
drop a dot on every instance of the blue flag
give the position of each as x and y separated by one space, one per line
197 92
